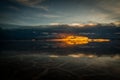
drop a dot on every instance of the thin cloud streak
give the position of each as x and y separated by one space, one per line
33 3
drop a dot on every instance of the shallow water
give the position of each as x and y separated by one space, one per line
40 60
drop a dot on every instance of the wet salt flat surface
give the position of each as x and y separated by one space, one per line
40 60
60 67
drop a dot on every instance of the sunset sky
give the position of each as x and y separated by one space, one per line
42 12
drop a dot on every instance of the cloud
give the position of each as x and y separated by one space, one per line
111 8
75 24
90 24
14 8
30 2
33 3
117 23
55 24
51 16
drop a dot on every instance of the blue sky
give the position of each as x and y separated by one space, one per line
44 12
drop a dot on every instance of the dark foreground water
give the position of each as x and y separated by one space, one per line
27 60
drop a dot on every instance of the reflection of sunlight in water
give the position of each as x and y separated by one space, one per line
78 40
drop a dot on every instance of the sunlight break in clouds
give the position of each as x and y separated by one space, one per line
77 25
55 24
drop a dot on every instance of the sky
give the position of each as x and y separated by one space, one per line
44 12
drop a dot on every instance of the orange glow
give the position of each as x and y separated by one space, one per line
75 40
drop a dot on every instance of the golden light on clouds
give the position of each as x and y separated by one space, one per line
78 40
91 24
54 24
76 25
117 23
71 40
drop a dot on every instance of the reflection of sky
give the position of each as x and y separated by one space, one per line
71 55
89 60
73 65
83 55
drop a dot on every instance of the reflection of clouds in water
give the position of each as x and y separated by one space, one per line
91 61
75 65
81 60
53 56
82 55
77 61
116 57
